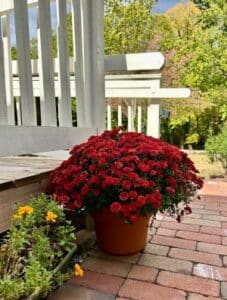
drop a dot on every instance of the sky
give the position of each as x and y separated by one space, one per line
160 7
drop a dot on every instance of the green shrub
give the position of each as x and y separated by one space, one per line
216 147
38 239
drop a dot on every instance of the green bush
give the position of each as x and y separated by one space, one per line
38 239
216 147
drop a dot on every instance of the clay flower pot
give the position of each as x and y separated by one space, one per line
116 237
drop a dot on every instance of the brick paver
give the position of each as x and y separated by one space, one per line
196 256
212 272
139 290
189 283
186 260
166 263
196 236
156 249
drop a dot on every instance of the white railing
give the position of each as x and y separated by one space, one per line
53 81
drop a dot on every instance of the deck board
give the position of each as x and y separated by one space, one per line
19 170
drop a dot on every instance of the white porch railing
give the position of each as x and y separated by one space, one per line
53 81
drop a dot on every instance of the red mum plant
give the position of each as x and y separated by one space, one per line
129 173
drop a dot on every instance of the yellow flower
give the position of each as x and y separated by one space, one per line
78 271
25 210
51 216
16 217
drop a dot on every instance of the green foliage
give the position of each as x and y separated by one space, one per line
216 147
38 239
128 25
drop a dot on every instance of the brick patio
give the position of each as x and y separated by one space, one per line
181 260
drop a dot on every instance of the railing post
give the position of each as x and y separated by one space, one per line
129 104
8 69
88 44
3 105
24 62
153 112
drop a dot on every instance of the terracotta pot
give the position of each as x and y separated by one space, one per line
114 236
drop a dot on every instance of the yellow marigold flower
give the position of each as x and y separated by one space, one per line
78 271
51 216
25 210
16 217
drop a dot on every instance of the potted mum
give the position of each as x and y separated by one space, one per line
121 179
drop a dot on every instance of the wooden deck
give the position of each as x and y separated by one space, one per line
21 177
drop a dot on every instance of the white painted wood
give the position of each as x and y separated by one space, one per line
153 119
3 101
90 61
7 6
24 64
119 113
47 96
139 118
41 139
109 118
72 62
18 111
129 107
64 99
134 62
8 69
113 92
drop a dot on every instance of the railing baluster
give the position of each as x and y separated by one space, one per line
88 41
64 104
109 117
119 113
129 115
3 105
24 62
8 69
47 92
139 119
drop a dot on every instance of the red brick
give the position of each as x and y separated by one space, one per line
206 211
174 242
225 261
120 298
212 207
224 225
156 249
196 256
194 205
196 236
193 215
106 266
202 222
101 282
180 226
165 231
189 283
224 213
224 240
215 218
139 290
212 230
212 248
211 272
166 263
200 297
143 273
